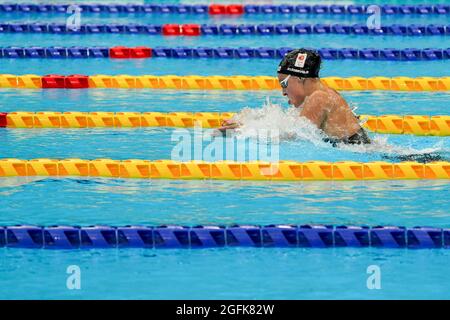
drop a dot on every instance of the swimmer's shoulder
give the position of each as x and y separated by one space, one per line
336 99
320 95
322 98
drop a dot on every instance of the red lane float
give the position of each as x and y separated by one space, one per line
215 9
53 81
73 81
140 52
219 9
190 30
76 81
119 52
3 119
235 9
171 30
181 30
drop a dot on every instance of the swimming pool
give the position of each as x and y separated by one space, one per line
217 273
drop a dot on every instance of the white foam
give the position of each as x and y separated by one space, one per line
285 124
380 144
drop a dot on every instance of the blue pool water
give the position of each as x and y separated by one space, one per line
140 18
226 274
229 272
159 66
309 40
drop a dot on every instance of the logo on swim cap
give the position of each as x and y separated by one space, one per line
300 61
304 63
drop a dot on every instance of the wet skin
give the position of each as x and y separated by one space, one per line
320 104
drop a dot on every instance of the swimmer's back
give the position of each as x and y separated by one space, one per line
340 122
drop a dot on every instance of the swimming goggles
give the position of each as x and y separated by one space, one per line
284 83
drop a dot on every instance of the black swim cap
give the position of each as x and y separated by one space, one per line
301 63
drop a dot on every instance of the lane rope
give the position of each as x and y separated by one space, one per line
195 82
283 170
227 9
438 125
170 236
228 29
143 52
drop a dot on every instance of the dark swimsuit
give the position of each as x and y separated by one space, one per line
360 137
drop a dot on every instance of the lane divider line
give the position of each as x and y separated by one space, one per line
207 236
284 170
228 29
438 125
143 52
227 9
195 82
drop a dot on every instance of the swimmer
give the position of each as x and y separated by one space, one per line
298 74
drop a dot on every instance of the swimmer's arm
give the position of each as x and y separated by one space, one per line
228 124
315 109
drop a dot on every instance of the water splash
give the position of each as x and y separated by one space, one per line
380 144
286 125
283 124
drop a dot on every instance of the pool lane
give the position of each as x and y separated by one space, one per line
308 40
207 67
161 18
368 102
170 143
86 201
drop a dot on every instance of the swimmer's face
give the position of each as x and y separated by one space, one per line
293 88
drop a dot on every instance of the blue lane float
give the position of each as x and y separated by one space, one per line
231 29
76 52
247 9
170 236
